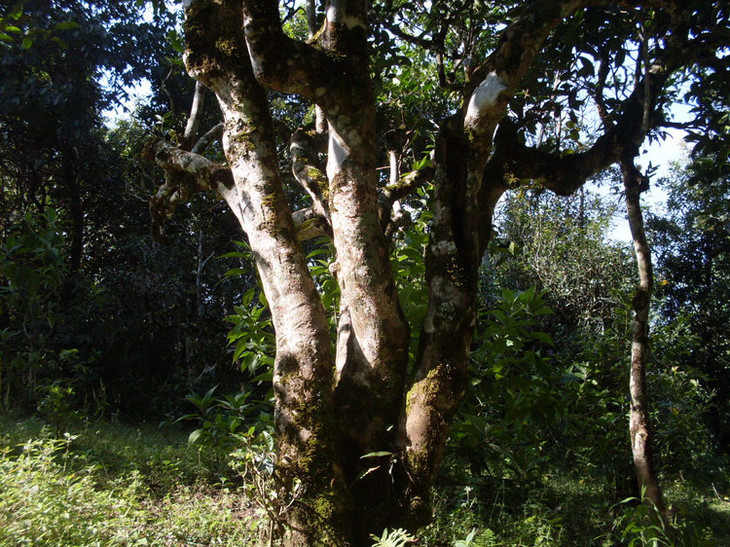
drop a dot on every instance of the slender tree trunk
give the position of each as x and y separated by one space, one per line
639 427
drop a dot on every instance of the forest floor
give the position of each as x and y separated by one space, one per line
105 483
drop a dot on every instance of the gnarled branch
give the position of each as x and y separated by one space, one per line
185 174
306 169
280 62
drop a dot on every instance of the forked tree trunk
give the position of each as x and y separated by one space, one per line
639 427
363 439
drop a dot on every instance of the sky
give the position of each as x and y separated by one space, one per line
660 154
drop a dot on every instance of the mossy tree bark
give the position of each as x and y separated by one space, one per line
639 421
336 403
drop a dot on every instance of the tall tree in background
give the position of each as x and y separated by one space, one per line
360 429
123 301
692 244
691 240
54 55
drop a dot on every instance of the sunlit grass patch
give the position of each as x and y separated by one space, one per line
66 491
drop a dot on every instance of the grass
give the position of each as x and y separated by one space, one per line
562 510
107 484
110 484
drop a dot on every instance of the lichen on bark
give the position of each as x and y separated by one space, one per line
335 406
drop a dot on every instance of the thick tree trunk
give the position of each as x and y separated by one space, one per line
365 440
641 436
304 365
441 377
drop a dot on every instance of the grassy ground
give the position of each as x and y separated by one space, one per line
563 510
110 484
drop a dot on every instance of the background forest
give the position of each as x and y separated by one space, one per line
135 401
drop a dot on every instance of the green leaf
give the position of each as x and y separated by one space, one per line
195 435
543 337
235 271
318 252
17 11
67 25
187 417
27 42
631 499
267 376
379 454
241 351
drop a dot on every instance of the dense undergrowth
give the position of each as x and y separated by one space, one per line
109 484
104 483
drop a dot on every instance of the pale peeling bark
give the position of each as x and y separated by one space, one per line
335 407
373 335
639 426
185 174
460 227
303 370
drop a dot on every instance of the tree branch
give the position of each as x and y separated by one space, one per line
494 82
403 187
214 133
186 173
304 149
419 41
207 175
196 112
565 174
309 224
280 62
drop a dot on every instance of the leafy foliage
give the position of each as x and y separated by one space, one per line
36 362
393 538
693 244
220 419
514 386
252 336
